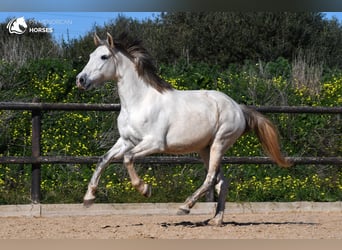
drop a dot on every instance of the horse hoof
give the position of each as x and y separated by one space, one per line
183 211
215 222
88 203
147 191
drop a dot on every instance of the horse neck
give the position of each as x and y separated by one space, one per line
132 88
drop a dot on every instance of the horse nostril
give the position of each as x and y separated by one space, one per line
81 79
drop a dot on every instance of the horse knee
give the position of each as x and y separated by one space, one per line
128 158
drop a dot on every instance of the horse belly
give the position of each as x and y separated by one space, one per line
190 134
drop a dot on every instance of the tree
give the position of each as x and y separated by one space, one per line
17 50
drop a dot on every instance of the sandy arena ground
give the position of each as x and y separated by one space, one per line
274 225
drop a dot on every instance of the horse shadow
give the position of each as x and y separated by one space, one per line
191 224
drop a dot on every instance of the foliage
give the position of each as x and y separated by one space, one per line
92 133
223 38
267 185
17 50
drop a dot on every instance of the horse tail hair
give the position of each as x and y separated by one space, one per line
266 133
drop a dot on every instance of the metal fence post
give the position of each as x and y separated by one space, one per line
36 170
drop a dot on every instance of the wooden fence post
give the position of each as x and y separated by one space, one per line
36 170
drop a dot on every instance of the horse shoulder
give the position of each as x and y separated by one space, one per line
147 119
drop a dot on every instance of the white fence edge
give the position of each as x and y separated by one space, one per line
55 210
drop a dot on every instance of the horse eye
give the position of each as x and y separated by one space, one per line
104 57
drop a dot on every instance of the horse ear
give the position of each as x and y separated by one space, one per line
96 40
110 40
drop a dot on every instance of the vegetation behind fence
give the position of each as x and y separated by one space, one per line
259 188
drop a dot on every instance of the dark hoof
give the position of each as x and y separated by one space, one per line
147 191
88 203
183 211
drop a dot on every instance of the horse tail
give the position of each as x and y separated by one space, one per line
266 133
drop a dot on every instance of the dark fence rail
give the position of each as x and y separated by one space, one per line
58 106
151 160
36 159
116 107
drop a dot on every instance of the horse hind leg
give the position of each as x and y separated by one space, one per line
213 170
204 154
221 188
185 209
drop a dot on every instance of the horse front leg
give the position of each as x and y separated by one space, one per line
136 182
116 152
145 147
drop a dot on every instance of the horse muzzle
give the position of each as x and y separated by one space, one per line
81 82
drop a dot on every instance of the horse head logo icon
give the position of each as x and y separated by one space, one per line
17 26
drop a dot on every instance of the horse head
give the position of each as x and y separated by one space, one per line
101 65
